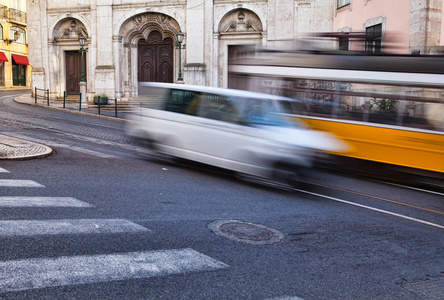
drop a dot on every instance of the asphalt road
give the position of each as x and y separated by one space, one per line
104 219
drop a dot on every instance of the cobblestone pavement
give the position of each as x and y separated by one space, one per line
13 148
19 149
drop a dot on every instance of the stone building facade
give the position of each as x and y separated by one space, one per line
130 41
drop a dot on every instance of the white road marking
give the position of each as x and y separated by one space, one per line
85 151
412 188
19 183
37 273
285 298
372 208
18 201
3 170
71 226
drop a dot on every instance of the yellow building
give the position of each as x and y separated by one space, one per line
14 64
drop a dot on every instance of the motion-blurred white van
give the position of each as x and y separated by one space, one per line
250 133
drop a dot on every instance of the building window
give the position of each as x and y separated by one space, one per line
18 34
342 3
373 42
1 32
343 43
16 4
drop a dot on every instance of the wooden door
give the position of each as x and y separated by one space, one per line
73 60
235 53
155 59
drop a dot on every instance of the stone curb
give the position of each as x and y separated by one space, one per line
18 149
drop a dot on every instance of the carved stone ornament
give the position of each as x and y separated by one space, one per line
69 29
240 20
141 25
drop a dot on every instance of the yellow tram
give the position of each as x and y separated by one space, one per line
388 108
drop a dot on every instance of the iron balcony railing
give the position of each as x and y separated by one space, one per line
12 15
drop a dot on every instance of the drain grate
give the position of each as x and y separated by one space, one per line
432 288
246 232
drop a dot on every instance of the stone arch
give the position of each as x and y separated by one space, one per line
231 11
135 33
140 26
69 28
240 21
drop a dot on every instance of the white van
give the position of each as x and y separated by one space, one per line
250 133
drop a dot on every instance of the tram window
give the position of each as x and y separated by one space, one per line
293 107
423 115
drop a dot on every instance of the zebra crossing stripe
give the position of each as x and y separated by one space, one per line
71 226
19 183
18 201
3 170
37 273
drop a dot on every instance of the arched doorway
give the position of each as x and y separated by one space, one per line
147 52
73 66
155 58
237 29
65 53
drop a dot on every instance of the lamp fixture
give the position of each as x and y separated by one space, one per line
81 40
180 37
16 37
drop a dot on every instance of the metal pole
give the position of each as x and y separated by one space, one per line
180 63
35 95
83 89
82 75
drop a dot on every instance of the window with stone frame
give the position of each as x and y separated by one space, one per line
344 43
342 3
373 43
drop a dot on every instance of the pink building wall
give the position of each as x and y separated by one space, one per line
394 15
442 29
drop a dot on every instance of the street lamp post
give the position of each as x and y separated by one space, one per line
82 41
180 36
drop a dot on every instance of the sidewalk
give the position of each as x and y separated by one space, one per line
17 149
106 111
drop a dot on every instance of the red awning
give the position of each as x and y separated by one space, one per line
20 59
3 57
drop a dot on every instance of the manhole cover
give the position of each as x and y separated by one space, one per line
432 288
246 232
